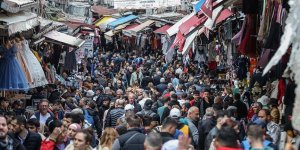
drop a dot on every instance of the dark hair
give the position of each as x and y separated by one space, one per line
88 137
267 111
91 104
21 120
147 120
133 121
169 122
255 131
77 118
227 137
33 122
237 96
52 124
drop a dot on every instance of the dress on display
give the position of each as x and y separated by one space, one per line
35 68
12 76
22 61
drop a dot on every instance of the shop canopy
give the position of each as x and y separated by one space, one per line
193 22
121 21
101 10
18 22
175 28
14 6
189 40
104 23
126 31
141 27
108 35
162 30
103 20
64 38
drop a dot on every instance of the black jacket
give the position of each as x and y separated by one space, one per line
16 144
32 141
133 139
97 122
204 127
166 136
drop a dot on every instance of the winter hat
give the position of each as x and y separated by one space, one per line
75 126
129 107
175 113
90 93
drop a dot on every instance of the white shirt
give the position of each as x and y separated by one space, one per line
43 118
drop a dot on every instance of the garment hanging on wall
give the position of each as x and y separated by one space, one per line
35 68
22 62
12 76
248 43
70 61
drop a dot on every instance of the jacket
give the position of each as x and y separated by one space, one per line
32 141
161 87
194 131
133 139
16 145
112 117
166 136
209 138
97 122
204 128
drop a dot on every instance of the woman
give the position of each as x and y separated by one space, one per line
107 139
72 130
82 141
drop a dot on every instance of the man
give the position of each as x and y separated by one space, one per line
92 116
4 103
33 125
7 141
132 101
30 140
273 129
192 119
255 135
57 110
214 131
241 107
114 114
156 78
168 129
133 139
162 86
226 139
205 125
42 115
153 141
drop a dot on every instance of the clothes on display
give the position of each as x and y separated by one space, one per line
12 76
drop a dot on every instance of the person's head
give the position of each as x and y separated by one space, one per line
220 117
169 125
55 123
193 113
255 134
3 128
237 97
185 107
18 124
148 104
206 93
133 122
131 98
108 137
264 115
119 103
256 107
57 105
119 93
106 101
153 141
33 125
44 106
196 95
82 102
73 129
82 140
91 104
4 102
226 137
67 120
209 112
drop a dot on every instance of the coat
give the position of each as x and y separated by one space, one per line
133 139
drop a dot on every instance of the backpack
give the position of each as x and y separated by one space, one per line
88 117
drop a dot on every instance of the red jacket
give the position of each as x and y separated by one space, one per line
47 145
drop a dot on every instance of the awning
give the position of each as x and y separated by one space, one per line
103 25
103 20
120 21
179 41
162 30
142 26
18 22
101 10
189 41
226 13
215 14
126 31
197 7
14 6
175 28
64 38
194 21
108 35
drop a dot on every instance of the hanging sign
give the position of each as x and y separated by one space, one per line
145 4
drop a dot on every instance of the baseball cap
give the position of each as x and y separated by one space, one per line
175 113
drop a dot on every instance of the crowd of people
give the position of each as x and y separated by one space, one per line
134 101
